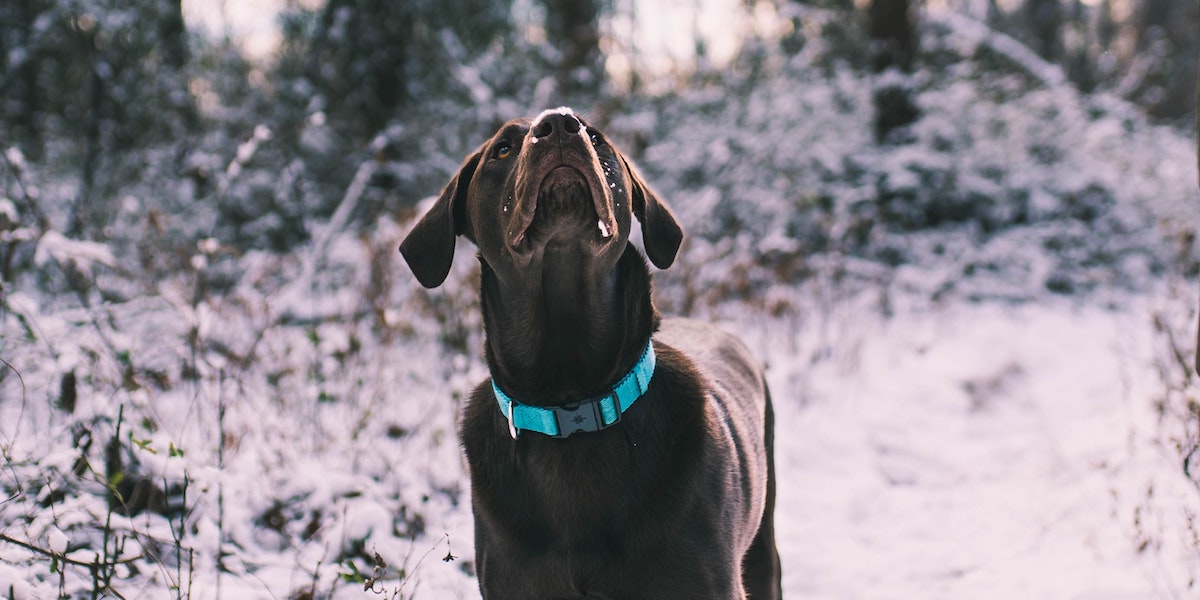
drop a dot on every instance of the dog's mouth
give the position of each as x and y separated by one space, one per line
567 206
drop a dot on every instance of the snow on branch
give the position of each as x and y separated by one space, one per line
64 251
975 32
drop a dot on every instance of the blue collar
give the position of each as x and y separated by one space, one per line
592 414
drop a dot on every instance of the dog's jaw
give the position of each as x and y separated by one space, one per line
546 164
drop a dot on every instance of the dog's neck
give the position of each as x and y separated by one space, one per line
557 339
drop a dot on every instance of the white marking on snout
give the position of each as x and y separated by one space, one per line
562 110
565 111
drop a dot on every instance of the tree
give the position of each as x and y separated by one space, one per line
1167 46
1144 50
573 27
893 45
173 32
366 60
1043 22
106 76
21 111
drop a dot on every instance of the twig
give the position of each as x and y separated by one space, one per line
294 319
1197 356
65 559
1176 353
445 537
178 535
104 575
338 221
221 483
15 162
20 417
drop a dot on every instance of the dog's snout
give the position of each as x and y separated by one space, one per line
556 124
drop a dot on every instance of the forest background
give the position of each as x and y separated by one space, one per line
219 380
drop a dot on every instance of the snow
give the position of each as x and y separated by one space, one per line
245 152
12 581
973 401
562 110
977 33
58 541
977 451
83 255
8 214
16 159
936 450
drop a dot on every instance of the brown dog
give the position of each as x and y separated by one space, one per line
612 455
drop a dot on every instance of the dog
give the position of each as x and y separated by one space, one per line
613 454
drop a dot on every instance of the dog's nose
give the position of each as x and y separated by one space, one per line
556 124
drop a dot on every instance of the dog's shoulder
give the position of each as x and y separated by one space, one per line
717 353
730 375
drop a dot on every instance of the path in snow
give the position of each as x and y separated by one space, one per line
981 451
978 451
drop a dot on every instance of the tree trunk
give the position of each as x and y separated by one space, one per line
83 213
173 32
573 27
1106 29
893 47
359 61
22 83
1044 21
1167 36
892 35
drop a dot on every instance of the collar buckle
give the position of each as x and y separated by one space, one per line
585 416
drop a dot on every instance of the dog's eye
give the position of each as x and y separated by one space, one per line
502 151
595 137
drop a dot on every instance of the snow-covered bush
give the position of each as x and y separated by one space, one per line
235 389
1022 186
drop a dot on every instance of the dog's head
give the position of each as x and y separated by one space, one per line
549 185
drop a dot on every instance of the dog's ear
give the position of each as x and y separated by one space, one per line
661 233
429 247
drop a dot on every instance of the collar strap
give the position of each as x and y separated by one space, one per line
592 414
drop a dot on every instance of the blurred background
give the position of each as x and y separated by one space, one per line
218 379
162 92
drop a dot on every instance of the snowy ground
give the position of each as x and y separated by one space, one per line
976 451
966 341
936 449
979 451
